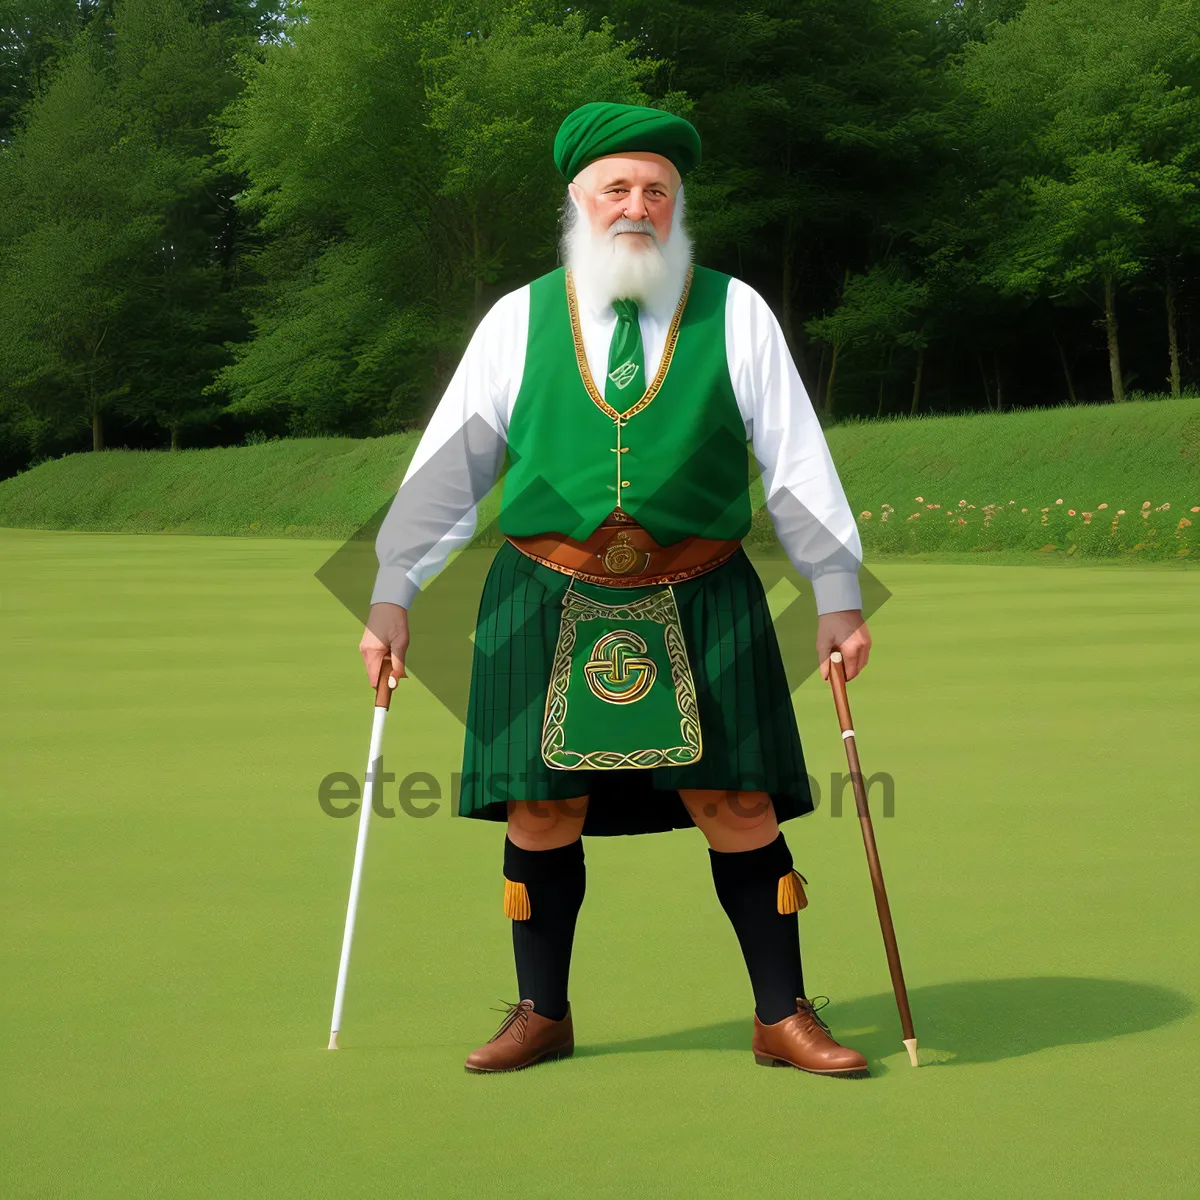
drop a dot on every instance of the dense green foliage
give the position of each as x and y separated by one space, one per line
222 218
958 472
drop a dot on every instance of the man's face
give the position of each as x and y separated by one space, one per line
639 187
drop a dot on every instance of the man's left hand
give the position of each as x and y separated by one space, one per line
845 631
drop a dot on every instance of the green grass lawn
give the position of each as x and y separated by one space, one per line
174 897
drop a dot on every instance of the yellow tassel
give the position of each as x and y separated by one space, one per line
791 897
516 900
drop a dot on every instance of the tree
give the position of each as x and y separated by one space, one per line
400 165
1095 108
112 290
878 307
828 128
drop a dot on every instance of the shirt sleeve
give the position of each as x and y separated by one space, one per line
458 459
804 495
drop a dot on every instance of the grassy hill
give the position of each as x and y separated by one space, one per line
1120 456
1085 454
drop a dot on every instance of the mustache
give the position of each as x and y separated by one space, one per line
625 225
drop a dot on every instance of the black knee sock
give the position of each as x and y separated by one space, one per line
747 883
555 880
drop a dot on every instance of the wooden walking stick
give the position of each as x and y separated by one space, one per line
837 680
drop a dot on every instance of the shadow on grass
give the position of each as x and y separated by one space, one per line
966 1022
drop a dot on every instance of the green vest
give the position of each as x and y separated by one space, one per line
675 460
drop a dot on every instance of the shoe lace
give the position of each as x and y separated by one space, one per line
518 1012
811 1007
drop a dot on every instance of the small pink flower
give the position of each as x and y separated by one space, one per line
1195 508
920 499
1024 510
1070 512
1045 510
1102 506
865 515
1120 512
1147 504
962 504
1058 502
1163 507
962 520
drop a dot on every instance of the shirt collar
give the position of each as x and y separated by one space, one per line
603 310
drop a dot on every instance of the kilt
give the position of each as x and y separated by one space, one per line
748 727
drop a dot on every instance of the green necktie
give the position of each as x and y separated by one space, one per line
626 381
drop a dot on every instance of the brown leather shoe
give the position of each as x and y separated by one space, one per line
524 1038
803 1040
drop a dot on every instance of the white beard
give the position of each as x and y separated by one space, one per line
608 267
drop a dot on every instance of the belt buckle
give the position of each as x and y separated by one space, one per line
620 557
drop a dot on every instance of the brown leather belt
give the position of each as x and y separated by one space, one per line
621 553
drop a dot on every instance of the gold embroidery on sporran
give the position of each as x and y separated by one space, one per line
660 608
615 675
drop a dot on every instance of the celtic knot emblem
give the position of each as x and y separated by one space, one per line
623 375
618 671
619 556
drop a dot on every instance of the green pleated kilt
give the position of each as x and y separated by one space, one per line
748 727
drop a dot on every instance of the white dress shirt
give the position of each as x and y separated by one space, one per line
465 436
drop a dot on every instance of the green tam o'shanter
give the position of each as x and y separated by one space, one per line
597 129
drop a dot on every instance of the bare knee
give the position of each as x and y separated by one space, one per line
732 820
545 824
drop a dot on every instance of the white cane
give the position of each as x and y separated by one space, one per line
383 696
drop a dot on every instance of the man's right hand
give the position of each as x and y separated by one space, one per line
386 633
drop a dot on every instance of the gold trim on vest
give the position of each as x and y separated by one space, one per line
585 371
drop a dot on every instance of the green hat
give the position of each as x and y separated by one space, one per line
597 129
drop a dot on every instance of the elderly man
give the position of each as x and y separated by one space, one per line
626 676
